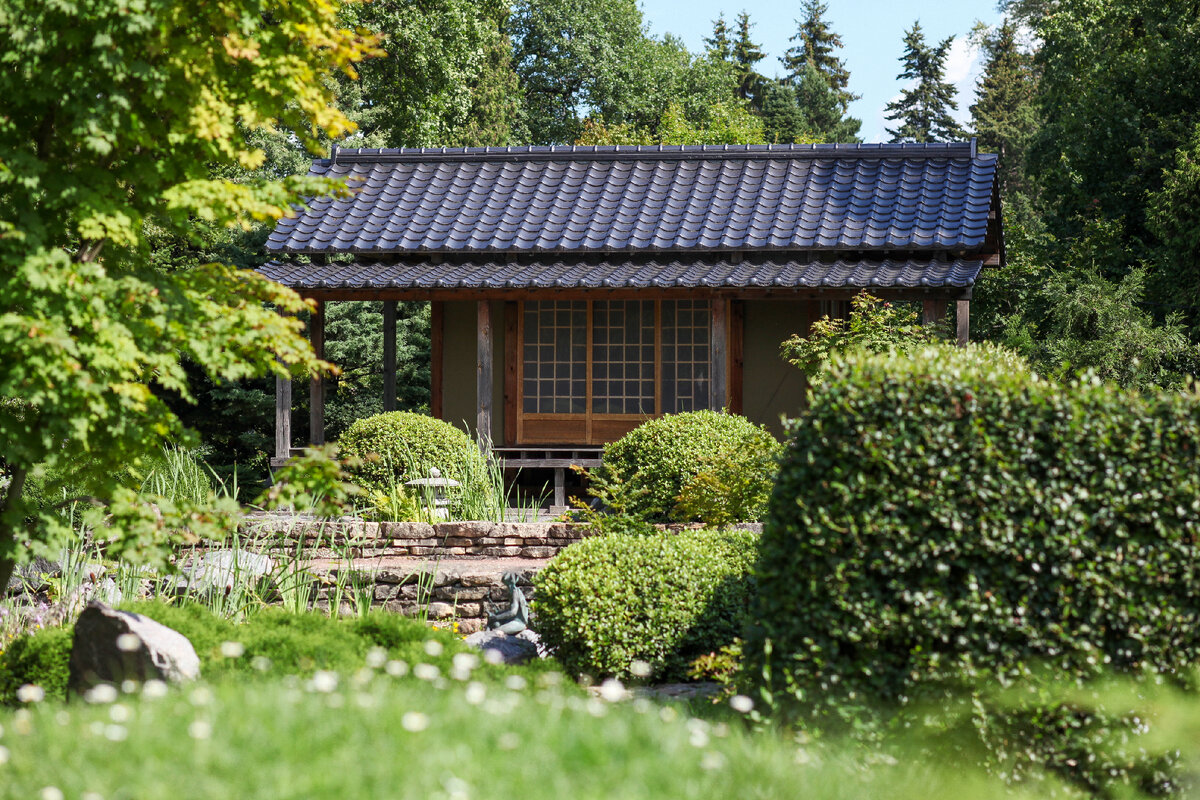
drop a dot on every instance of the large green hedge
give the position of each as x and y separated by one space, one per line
722 464
398 446
663 599
949 515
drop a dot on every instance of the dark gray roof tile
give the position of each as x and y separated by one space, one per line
670 198
760 271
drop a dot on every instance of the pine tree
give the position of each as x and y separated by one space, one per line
720 44
822 110
923 111
1003 115
746 53
816 45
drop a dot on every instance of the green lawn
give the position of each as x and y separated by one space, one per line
377 736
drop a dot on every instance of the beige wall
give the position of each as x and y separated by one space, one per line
770 385
459 402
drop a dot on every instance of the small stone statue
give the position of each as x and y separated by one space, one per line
515 618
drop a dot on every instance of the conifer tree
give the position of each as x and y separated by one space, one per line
1003 115
747 53
720 44
816 44
923 110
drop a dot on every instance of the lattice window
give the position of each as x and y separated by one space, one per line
686 361
623 357
835 309
555 345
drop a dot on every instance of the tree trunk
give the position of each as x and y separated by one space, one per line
8 531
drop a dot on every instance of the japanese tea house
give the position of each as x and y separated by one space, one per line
577 291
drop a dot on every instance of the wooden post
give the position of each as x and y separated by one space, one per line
737 339
963 318
316 386
389 355
933 312
283 420
436 328
719 354
483 371
512 366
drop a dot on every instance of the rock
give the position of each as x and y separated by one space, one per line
221 568
511 649
114 646
33 575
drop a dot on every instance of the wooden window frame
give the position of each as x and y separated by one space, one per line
589 427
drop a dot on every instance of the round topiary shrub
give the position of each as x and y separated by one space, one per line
950 517
721 465
664 599
399 446
40 658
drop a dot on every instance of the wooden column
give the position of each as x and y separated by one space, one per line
933 312
283 420
316 386
737 347
483 371
963 318
717 390
512 365
389 355
436 328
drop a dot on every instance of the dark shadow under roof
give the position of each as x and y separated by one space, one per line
758 272
683 199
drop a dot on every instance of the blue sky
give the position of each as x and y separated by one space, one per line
871 30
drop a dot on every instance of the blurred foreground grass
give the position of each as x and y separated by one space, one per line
372 735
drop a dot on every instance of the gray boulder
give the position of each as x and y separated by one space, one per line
509 648
114 646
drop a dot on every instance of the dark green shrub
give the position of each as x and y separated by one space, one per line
399 446
39 658
660 457
950 517
663 599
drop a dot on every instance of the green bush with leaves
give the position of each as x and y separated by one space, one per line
662 599
400 446
39 658
660 458
948 516
875 326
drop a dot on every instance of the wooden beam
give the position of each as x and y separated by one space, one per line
512 366
283 419
963 318
483 371
389 355
718 372
737 338
316 385
437 316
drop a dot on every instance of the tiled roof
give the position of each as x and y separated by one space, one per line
761 271
630 199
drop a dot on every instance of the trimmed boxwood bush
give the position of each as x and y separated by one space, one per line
662 457
664 599
399 446
950 516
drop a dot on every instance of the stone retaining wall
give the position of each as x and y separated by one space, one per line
540 540
459 594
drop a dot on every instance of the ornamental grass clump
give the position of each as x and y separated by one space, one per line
948 517
662 599
697 466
